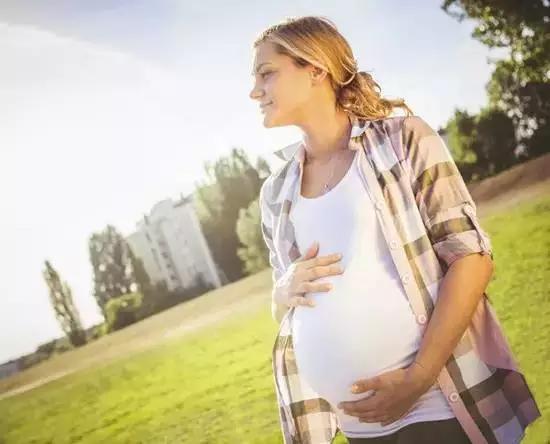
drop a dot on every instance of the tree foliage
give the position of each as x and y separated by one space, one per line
61 298
483 144
254 254
519 85
233 184
113 267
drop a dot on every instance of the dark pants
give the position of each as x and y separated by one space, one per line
443 431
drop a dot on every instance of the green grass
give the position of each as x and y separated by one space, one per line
215 385
520 294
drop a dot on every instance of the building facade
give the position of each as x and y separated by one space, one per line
170 242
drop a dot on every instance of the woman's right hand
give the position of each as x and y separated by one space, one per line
292 288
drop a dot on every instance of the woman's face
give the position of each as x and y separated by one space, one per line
285 87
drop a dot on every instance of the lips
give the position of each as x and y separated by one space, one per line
263 105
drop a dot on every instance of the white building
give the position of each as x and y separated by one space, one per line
172 246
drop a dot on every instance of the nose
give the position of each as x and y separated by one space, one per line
254 94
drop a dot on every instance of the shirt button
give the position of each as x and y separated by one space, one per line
393 244
453 397
406 278
468 209
422 319
378 205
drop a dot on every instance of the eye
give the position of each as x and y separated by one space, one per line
265 73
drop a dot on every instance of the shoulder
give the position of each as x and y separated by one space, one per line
404 131
405 125
416 125
411 133
423 146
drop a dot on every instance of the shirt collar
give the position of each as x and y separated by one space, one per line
296 149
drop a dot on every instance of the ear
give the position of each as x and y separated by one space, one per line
317 74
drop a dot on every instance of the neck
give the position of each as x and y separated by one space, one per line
325 133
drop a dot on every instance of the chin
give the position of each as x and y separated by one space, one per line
269 122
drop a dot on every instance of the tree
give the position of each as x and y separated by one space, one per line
519 85
496 140
463 144
461 133
143 286
62 302
520 26
254 254
112 266
122 311
234 184
482 144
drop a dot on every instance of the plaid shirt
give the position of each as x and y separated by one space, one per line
428 219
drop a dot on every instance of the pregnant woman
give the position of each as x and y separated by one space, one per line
387 229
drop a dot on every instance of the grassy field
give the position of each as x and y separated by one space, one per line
214 385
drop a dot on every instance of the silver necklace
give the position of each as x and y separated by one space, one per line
326 184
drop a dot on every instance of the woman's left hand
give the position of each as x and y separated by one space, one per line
395 393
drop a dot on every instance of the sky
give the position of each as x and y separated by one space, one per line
108 107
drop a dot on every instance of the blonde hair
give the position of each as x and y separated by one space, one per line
315 40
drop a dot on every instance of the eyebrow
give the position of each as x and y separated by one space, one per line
259 66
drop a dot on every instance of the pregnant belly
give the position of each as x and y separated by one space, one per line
353 333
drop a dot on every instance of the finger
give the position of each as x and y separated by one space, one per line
323 270
376 418
322 260
310 252
363 406
376 382
395 416
369 419
301 300
385 422
313 287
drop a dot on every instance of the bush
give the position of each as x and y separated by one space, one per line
47 348
254 254
95 332
122 311
159 298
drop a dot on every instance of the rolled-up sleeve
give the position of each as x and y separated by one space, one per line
445 204
266 219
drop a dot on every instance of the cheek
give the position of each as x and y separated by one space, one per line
287 97
297 94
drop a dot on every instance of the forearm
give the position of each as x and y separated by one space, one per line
459 294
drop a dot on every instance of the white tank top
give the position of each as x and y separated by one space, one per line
364 326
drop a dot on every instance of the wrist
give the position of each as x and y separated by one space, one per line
421 375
